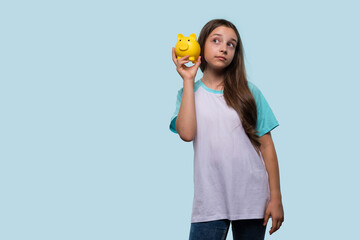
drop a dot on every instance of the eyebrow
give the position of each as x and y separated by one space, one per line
221 35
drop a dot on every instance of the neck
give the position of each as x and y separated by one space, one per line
213 79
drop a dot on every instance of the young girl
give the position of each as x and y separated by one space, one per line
236 174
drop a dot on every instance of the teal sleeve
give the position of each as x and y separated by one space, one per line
266 120
174 116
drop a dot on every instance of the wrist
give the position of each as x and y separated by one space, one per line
275 196
189 81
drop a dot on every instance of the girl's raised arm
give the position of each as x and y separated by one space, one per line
186 119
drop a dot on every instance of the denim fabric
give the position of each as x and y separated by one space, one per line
247 229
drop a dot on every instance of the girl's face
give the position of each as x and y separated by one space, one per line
220 48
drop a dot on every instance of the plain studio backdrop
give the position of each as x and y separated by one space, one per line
88 89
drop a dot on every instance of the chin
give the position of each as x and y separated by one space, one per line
219 67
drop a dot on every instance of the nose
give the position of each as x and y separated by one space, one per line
223 48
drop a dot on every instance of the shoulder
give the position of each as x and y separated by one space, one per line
197 84
253 89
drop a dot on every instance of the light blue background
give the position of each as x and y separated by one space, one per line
88 89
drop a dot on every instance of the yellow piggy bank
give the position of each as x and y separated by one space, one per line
187 46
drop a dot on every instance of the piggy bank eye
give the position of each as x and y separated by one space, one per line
188 40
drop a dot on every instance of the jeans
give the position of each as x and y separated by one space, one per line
247 229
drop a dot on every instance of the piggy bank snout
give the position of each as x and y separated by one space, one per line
183 46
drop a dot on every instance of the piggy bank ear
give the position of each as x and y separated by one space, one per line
180 36
193 36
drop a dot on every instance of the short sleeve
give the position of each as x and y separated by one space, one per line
174 116
266 120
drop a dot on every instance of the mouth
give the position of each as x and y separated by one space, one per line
220 58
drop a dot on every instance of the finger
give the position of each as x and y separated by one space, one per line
198 62
266 218
183 60
175 60
278 225
273 227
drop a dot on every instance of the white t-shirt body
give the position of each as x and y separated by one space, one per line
230 178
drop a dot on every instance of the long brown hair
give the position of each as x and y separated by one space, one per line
236 91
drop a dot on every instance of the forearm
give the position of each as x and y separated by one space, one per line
186 119
269 155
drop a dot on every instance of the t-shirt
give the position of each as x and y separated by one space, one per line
230 178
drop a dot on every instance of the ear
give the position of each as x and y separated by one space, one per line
193 36
180 36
